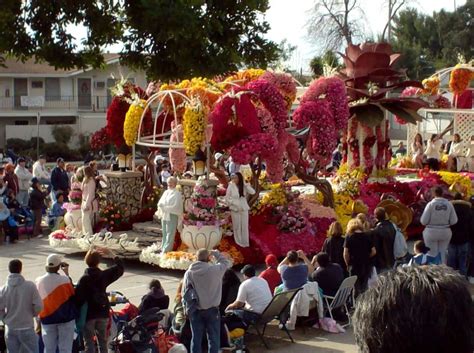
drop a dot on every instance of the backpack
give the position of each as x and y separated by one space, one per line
400 247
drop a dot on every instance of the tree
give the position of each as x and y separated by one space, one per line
334 23
318 63
169 39
285 51
394 6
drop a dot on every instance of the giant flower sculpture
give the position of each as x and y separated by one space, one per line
370 74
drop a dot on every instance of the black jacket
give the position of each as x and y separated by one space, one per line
462 230
92 289
334 247
383 236
37 198
151 301
59 179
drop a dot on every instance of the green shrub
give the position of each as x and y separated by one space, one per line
62 134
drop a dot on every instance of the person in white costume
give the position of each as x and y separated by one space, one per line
236 197
170 210
470 155
88 197
456 154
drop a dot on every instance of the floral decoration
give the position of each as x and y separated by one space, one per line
460 78
245 76
256 145
99 139
368 143
203 208
177 155
194 126
113 216
285 84
132 122
430 85
226 245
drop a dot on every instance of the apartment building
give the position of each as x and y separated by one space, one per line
78 98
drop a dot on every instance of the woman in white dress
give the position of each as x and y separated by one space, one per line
418 151
433 151
456 155
88 197
170 210
236 197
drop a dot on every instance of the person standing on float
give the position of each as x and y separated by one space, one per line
236 197
170 210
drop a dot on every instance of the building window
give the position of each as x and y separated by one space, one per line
36 84
21 122
53 91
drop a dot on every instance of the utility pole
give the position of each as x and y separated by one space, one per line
389 29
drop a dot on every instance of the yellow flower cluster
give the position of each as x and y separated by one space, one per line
348 181
385 173
246 76
179 255
194 126
460 182
343 205
430 85
276 197
132 122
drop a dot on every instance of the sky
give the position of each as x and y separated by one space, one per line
288 19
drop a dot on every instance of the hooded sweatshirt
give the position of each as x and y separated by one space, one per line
206 278
439 213
20 302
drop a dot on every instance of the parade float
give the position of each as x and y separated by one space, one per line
283 155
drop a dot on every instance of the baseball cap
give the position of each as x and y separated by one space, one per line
248 270
59 160
54 260
271 260
217 156
21 159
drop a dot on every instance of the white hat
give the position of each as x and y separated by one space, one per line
217 156
54 260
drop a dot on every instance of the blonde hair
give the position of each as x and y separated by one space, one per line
335 230
362 217
353 225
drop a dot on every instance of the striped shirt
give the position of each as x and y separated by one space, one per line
57 294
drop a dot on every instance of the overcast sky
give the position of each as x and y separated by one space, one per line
288 20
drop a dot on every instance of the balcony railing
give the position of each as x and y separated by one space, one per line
72 103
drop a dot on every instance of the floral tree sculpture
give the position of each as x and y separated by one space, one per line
370 75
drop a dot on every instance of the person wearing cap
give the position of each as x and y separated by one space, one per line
271 274
40 172
91 289
20 303
60 179
37 197
10 178
59 307
253 297
205 278
24 177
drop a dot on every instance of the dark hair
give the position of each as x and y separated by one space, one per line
421 247
240 185
380 214
438 191
154 283
248 271
458 196
292 256
15 266
323 259
433 136
416 309
93 259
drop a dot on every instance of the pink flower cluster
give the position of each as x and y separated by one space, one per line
275 168
177 155
333 90
203 209
285 84
323 137
262 144
272 100
266 121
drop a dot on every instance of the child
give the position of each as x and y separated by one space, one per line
421 256
165 174
37 197
57 212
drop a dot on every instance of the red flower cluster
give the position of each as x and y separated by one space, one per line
261 144
99 139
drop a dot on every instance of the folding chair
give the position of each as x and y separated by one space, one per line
343 294
276 309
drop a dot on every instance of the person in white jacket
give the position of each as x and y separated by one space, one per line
236 197
170 211
456 154
438 216
24 177
40 171
88 197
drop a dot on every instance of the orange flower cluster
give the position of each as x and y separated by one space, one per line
180 255
430 85
460 79
113 216
226 246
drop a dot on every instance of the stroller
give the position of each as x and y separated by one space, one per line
138 335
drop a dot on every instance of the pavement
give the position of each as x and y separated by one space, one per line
133 284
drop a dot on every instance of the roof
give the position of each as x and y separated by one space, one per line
15 67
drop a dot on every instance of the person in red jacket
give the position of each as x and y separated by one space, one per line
271 274
11 179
